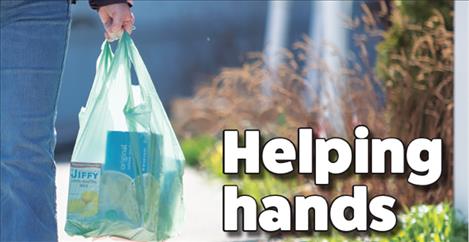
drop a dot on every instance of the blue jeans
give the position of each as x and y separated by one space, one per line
34 36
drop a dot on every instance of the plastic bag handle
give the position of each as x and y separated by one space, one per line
143 76
103 64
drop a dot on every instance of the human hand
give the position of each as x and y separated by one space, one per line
116 18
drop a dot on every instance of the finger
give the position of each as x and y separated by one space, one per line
105 18
117 24
132 21
110 37
132 18
128 26
115 36
108 28
107 37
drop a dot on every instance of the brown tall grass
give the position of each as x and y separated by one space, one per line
420 93
278 101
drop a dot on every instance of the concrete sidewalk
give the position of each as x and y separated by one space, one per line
203 202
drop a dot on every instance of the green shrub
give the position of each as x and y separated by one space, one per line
194 148
423 223
257 186
212 161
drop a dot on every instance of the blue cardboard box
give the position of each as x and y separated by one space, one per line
124 149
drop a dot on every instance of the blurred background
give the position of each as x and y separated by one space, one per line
276 66
186 43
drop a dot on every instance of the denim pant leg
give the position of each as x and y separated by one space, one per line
34 37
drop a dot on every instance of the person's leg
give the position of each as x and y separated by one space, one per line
34 37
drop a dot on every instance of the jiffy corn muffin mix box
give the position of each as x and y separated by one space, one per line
84 189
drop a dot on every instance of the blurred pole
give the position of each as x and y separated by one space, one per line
461 112
278 19
327 28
